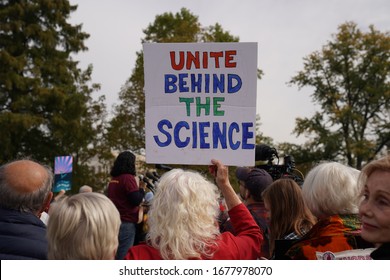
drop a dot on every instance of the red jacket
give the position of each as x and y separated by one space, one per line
244 246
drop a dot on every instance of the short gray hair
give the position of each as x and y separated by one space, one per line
85 188
331 188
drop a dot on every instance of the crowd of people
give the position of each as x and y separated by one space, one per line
338 212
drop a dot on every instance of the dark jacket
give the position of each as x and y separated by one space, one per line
382 252
22 236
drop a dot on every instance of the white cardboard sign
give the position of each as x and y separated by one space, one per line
200 103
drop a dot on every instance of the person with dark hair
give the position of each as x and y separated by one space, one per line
126 195
25 193
253 181
289 216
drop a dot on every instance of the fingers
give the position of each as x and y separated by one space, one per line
216 162
219 171
219 166
60 194
213 169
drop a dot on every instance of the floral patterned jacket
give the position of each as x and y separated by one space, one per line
334 234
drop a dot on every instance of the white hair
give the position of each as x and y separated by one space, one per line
83 227
85 188
331 188
183 215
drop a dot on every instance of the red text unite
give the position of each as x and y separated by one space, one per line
199 60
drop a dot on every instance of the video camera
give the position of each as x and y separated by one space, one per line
286 170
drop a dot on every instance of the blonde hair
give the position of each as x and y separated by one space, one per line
331 188
183 215
382 164
83 227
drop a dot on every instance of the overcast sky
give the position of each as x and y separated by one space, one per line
286 31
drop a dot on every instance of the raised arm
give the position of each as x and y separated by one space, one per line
221 173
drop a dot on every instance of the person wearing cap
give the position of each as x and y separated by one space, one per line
253 181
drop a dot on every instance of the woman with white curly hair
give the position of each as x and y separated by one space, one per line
183 220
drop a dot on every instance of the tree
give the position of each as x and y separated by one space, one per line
127 127
350 77
46 101
260 137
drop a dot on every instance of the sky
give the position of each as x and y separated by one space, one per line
286 31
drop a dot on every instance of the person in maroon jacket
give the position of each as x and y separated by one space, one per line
183 220
126 195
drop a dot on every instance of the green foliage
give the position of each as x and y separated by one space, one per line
169 28
127 127
46 102
350 79
215 33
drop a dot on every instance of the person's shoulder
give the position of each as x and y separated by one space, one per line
237 209
125 175
257 207
382 252
143 252
300 250
259 213
17 218
125 178
130 177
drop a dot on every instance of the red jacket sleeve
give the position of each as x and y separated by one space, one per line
246 243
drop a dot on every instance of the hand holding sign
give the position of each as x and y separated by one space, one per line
222 181
200 101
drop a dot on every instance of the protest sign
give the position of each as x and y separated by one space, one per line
63 167
200 102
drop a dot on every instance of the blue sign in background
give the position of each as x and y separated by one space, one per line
63 167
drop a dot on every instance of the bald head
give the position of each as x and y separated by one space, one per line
25 176
85 189
24 185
